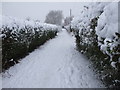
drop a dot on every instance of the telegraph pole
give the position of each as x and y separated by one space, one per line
70 18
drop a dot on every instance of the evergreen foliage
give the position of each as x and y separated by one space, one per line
103 49
19 42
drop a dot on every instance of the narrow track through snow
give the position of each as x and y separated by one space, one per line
56 64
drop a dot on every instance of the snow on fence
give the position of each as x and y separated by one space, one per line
20 37
96 31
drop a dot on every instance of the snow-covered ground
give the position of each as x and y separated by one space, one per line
56 64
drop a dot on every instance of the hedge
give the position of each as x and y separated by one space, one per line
19 42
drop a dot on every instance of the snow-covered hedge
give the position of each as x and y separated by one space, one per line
20 37
97 36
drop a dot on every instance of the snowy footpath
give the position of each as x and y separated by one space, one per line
56 64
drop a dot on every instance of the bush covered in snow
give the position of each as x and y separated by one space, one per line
20 37
97 36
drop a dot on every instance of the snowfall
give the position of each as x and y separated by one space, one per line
56 64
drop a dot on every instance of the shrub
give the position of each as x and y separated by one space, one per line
96 39
18 41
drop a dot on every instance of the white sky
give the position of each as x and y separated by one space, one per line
38 10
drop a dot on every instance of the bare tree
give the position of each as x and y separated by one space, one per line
54 17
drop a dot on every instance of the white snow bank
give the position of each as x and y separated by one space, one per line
108 21
89 12
21 23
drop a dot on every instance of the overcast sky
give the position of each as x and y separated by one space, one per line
38 10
